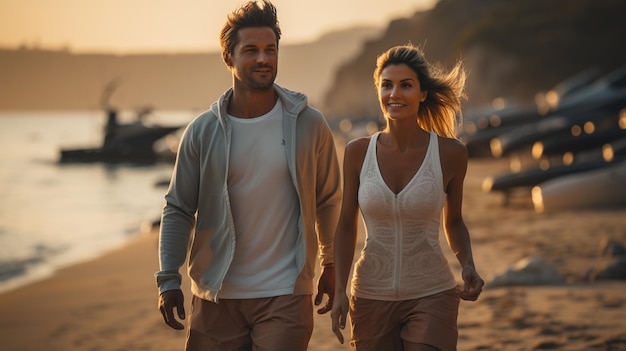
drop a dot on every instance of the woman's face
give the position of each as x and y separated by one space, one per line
399 92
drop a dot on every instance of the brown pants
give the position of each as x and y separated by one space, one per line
264 324
387 325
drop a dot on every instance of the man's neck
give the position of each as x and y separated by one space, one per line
251 104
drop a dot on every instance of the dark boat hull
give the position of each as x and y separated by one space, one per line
535 176
604 187
87 155
129 146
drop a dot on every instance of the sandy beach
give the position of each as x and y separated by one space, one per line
109 303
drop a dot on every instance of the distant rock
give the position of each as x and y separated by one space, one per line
528 271
512 49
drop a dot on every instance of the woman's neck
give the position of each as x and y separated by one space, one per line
403 135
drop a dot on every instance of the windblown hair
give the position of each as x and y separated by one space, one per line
441 111
255 13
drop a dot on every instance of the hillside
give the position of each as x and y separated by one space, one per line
32 79
511 48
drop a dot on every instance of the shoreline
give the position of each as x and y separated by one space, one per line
42 272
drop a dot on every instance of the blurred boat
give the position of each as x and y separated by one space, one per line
132 142
588 160
479 130
576 143
530 177
478 144
608 152
123 143
600 188
557 129
549 101
581 96
608 91
582 129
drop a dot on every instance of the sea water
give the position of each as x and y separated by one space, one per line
53 214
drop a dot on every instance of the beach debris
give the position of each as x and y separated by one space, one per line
612 248
528 271
614 270
548 345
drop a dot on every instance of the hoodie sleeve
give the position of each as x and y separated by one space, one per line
178 216
328 189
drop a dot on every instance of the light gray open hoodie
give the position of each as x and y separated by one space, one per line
198 195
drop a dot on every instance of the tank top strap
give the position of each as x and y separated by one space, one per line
433 155
434 144
369 163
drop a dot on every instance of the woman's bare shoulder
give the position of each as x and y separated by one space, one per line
358 143
356 150
454 148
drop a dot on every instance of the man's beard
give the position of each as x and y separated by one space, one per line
255 84
260 84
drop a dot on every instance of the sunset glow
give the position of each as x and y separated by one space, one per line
167 25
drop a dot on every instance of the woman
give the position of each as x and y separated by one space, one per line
403 294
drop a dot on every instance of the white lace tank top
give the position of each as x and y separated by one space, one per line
402 258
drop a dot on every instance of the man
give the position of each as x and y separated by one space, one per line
258 176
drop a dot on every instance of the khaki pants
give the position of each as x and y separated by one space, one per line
387 325
264 324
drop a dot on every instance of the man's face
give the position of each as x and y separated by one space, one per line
254 60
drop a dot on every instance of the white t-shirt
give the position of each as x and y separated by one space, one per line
265 210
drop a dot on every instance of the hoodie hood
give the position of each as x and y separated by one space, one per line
293 103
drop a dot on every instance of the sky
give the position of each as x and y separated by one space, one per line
145 26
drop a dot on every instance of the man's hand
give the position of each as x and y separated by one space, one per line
167 301
326 285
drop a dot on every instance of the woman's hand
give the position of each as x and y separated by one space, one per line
339 314
473 284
